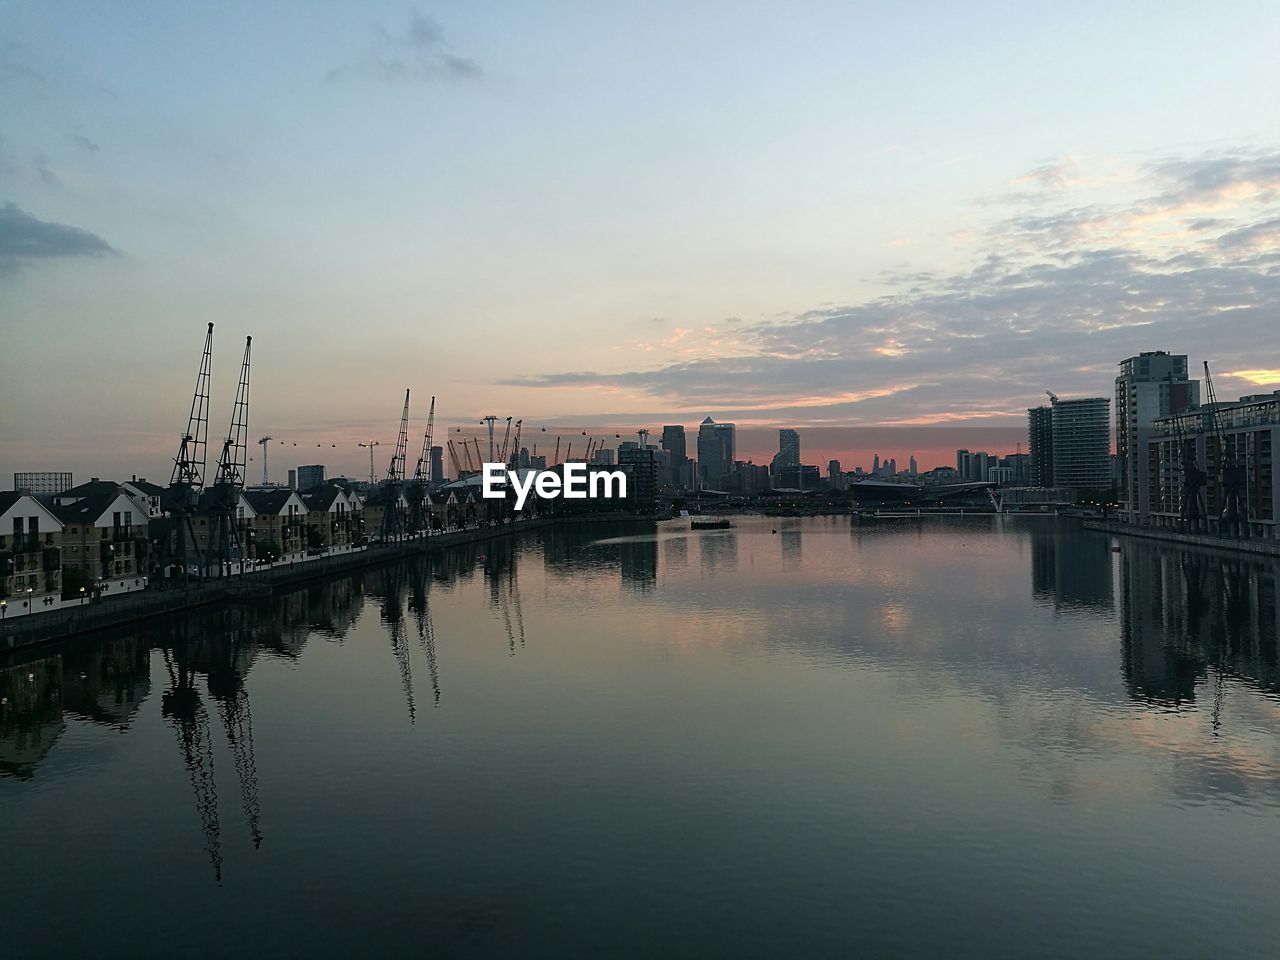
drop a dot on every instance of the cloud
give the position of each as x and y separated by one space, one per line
1052 301
418 53
45 171
25 239
86 143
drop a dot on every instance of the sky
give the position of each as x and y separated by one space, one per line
605 216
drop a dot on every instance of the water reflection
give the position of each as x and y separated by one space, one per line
1071 572
1184 627
1188 616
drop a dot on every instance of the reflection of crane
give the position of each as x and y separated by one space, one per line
1231 472
226 685
181 705
393 617
421 605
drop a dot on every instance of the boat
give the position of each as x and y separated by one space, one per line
716 523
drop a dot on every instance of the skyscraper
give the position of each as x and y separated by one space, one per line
715 452
1150 385
786 462
673 442
437 464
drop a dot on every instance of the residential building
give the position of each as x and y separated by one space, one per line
279 518
1251 430
1150 386
1082 443
641 467
330 520
30 555
104 534
1040 437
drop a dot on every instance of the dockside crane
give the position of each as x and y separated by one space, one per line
187 481
223 498
1193 478
419 489
392 516
1234 517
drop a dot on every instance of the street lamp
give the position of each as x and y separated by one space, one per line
82 596
4 608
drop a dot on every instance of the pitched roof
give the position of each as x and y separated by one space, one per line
321 497
146 487
94 488
267 501
90 508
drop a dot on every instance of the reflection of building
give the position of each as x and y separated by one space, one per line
30 714
638 561
1186 614
1070 570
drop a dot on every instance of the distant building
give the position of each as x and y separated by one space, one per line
310 476
41 483
1150 386
675 445
716 447
913 468
641 467
293 480
437 463
604 457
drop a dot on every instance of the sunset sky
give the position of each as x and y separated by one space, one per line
607 216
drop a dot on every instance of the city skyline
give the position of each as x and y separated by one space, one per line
394 197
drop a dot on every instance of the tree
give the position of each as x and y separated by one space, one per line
269 551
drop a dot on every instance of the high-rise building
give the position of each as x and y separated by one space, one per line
641 466
785 467
675 446
437 464
1040 438
1082 443
1150 385
310 476
913 468
715 452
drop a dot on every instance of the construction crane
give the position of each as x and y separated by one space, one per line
224 496
266 480
371 444
1231 473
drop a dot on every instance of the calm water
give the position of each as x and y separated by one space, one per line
970 738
